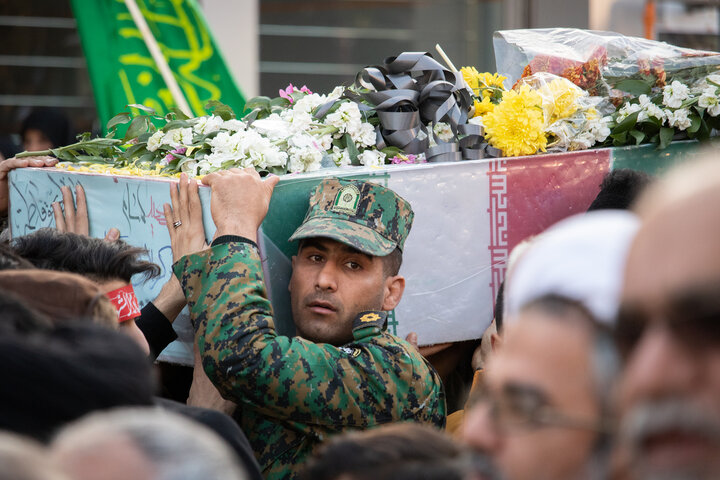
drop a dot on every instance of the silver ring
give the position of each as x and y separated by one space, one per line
177 224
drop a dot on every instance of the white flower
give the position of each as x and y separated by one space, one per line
583 141
336 93
341 157
372 158
599 128
205 125
307 159
627 110
190 168
678 118
324 141
476 121
363 134
272 127
233 125
709 101
347 117
713 78
155 141
178 137
308 103
297 120
674 94
443 131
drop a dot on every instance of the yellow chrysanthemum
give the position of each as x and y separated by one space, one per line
492 80
482 84
516 125
470 75
481 108
561 95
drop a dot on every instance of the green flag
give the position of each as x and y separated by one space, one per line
123 72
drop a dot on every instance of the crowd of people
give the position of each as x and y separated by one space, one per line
602 360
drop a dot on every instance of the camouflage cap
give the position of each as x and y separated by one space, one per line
364 215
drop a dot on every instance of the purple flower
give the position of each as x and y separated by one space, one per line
170 157
404 159
286 93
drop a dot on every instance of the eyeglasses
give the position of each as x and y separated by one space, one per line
693 320
525 407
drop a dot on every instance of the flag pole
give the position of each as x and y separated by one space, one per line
157 55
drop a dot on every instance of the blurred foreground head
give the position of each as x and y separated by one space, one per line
143 444
398 451
53 375
23 459
543 413
669 328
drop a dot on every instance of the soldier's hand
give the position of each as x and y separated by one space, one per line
13 163
184 219
240 201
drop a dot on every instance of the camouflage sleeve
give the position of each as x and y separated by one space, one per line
286 378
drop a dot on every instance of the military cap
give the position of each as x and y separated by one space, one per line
364 215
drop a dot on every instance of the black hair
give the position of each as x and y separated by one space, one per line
392 262
10 260
619 189
53 123
394 451
52 379
94 258
499 306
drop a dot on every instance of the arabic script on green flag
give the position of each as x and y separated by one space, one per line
123 72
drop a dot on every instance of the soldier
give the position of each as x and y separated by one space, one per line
342 371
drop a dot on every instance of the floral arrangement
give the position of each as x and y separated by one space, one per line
299 131
433 116
541 112
659 115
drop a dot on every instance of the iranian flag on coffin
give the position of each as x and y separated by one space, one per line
468 215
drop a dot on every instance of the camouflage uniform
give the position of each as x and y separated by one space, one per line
293 393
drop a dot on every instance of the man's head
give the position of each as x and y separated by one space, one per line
397 451
111 265
669 329
143 444
540 414
349 257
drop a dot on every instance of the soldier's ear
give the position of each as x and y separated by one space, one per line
394 288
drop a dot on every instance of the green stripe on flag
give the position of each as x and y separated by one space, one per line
123 72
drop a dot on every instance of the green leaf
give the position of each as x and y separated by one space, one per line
220 109
666 136
634 87
619 139
695 122
143 108
179 114
637 135
277 170
138 126
176 124
352 149
262 103
628 123
119 119
391 151
280 102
